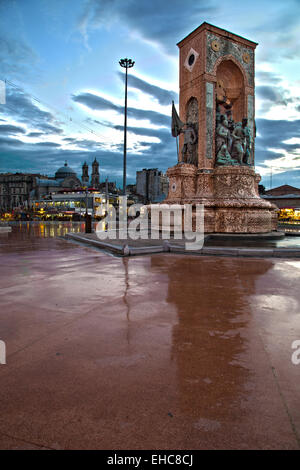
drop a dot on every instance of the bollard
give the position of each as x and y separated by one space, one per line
88 223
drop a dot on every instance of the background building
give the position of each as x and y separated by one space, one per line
18 190
15 190
95 179
85 174
151 185
284 196
64 178
109 186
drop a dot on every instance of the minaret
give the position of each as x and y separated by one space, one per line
95 174
85 174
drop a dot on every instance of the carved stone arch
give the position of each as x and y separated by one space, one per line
232 79
236 62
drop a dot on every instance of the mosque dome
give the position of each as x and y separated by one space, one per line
64 171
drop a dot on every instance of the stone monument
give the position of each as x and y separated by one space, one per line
216 132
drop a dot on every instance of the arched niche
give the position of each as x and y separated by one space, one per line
191 111
231 85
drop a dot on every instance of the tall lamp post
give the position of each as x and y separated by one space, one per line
88 218
86 201
126 64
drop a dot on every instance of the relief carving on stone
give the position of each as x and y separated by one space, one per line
233 142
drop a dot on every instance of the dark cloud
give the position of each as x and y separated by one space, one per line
10 129
34 134
22 108
273 96
262 155
154 117
157 20
49 129
161 134
84 143
30 158
7 142
278 33
275 27
16 57
272 134
164 97
47 144
95 121
269 77
267 93
88 144
97 102
277 130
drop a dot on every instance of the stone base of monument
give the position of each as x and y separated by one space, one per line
229 195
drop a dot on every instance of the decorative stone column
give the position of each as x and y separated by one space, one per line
182 183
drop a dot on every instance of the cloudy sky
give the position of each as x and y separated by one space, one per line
65 88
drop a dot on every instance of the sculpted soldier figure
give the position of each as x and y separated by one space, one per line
218 114
241 142
189 151
222 139
230 127
247 142
238 138
190 139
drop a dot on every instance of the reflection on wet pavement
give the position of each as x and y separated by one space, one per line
31 230
161 352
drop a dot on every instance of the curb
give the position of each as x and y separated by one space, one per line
127 250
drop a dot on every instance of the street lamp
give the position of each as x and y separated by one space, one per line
88 218
125 63
86 201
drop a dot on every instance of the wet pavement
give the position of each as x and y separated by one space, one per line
154 352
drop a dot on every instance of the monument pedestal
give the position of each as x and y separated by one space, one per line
229 195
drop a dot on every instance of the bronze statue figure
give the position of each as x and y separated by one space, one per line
222 141
189 129
247 142
190 138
